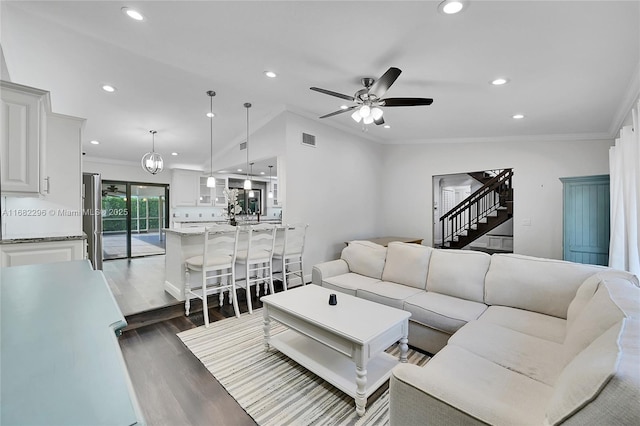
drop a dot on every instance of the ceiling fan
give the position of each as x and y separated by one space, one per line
369 100
112 190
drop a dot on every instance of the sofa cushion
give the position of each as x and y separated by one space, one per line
458 273
474 385
536 358
585 376
588 288
348 283
442 312
527 322
387 293
540 285
597 316
407 264
365 258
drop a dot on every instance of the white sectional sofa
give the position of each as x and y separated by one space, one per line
517 339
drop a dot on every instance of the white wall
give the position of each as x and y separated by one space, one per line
334 187
125 172
538 165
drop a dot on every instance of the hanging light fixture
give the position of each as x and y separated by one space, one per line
251 193
211 180
247 182
270 194
152 161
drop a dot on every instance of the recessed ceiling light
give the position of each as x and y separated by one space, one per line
211 114
108 88
95 142
449 7
518 116
239 170
270 74
500 81
261 173
133 14
174 153
386 126
343 107
222 171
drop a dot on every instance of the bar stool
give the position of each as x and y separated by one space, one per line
217 264
257 258
289 253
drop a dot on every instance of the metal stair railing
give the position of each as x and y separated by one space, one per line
477 206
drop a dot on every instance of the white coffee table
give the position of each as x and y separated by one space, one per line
344 344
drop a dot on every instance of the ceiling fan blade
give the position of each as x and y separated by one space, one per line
336 94
340 111
379 121
381 85
396 102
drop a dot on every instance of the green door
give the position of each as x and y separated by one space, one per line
586 219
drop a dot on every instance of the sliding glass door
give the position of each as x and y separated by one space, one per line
133 216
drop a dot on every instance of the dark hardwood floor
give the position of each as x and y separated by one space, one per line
172 385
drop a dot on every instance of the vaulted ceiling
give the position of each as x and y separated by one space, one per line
572 67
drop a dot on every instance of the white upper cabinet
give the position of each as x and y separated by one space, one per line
219 199
185 185
22 140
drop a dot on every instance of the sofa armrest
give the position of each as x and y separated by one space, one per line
328 269
410 404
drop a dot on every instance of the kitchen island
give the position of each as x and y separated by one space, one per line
183 243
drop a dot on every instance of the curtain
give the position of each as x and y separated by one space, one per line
624 166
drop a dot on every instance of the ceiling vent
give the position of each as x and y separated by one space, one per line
308 140
243 145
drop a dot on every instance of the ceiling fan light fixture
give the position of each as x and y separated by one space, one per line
368 119
365 111
356 116
376 113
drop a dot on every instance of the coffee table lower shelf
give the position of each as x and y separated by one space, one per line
332 366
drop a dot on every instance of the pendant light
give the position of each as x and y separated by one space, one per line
251 193
152 161
211 180
270 194
247 182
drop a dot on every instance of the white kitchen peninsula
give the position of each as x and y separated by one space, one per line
183 243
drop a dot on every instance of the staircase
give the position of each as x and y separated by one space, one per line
479 213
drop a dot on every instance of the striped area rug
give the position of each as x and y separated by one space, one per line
270 387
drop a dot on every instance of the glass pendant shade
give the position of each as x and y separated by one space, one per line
247 184
376 113
368 119
270 194
365 111
356 116
252 194
152 162
211 182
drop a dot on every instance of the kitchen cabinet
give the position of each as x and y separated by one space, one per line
41 250
219 200
22 140
184 187
273 202
189 188
205 194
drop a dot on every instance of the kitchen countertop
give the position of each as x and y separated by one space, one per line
200 229
41 239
